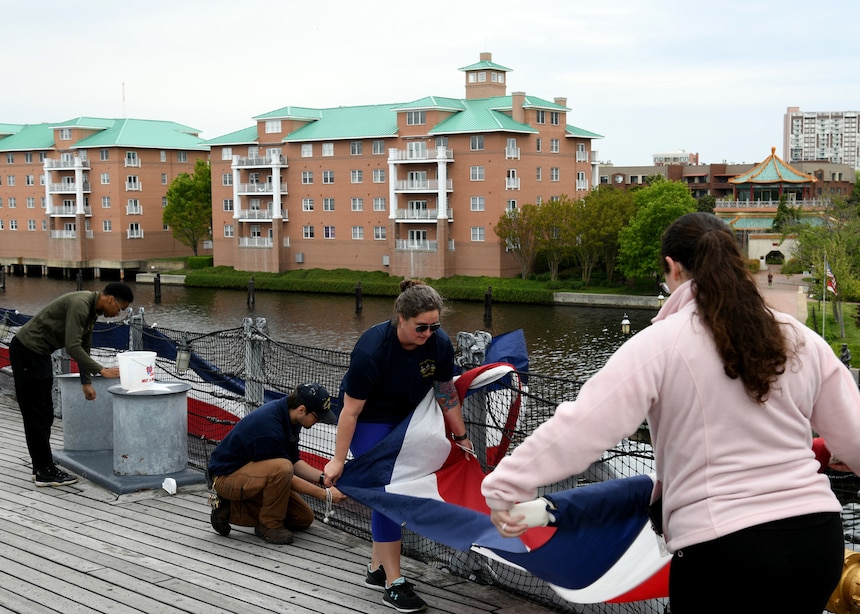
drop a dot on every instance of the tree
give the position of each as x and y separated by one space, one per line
786 216
189 206
555 232
706 203
657 206
599 218
516 229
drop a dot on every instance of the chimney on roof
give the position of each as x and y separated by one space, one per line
562 102
486 56
518 114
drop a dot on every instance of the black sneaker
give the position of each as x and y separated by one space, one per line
375 579
53 476
402 598
220 516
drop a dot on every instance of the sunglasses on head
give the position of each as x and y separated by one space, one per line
423 328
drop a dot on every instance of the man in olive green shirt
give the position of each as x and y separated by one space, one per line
65 323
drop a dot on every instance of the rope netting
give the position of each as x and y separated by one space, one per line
233 371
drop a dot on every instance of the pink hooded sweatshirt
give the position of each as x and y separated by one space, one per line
724 461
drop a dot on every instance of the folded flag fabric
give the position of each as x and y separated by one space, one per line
599 548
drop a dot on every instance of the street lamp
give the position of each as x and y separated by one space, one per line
625 325
660 300
183 354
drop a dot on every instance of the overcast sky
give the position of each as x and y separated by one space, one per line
649 75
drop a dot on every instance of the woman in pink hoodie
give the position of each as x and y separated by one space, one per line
732 391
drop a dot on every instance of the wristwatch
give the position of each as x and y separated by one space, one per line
462 437
322 479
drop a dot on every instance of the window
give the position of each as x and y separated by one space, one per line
540 117
1 224
105 202
10 180
356 176
355 148
163 178
328 232
554 118
307 204
554 173
442 141
416 118
581 153
308 232
42 156
226 153
30 180
182 156
65 134
226 179
358 233
307 177
13 224
511 206
31 202
135 231
228 231
554 145
328 204
357 204
31 225
133 207
378 147
477 203
379 175
107 226
163 156
227 204
328 176
10 158
476 173
581 181
253 151
477 233
327 150
379 233
104 155
482 77
379 204
307 150
13 202
253 178
538 173
472 77
273 126
476 142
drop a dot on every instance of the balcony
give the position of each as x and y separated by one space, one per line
67 187
430 185
410 245
512 153
257 161
258 214
421 215
260 188
134 210
135 234
69 211
426 155
65 164
512 183
133 186
64 234
258 242
132 162
813 203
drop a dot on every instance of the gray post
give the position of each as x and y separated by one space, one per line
254 362
135 342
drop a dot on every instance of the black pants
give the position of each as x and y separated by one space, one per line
790 566
34 378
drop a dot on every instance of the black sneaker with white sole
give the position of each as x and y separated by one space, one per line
375 579
402 598
53 476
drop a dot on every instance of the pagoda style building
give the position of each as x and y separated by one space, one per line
771 180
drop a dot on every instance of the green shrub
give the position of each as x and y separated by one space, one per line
200 262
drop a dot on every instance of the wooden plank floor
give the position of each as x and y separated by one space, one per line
82 548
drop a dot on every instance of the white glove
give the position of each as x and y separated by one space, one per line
536 512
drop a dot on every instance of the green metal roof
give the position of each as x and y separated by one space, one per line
486 64
239 137
482 115
582 133
299 113
349 123
772 170
30 138
433 102
7 129
751 223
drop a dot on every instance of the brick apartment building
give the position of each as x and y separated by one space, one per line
87 194
413 188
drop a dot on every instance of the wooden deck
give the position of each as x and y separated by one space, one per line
82 548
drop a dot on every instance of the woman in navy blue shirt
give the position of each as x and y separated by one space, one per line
393 366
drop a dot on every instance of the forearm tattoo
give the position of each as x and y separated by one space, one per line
446 395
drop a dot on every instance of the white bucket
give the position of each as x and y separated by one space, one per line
136 370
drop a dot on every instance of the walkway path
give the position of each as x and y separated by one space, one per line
787 294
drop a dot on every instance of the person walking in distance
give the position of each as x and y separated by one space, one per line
65 323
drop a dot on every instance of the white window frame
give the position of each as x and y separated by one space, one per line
379 175
307 232
478 234
357 204
380 233
273 126
379 203
476 173
307 150
327 150
328 204
478 203
356 176
328 177
307 204
355 148
328 232
358 233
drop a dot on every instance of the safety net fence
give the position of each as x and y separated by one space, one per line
232 372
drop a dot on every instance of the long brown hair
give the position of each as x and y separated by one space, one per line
749 340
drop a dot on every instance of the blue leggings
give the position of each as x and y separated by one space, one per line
367 435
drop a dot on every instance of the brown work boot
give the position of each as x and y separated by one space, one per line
274 535
220 516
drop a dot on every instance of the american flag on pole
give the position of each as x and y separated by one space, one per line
831 278
599 549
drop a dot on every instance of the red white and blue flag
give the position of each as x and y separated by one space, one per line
831 278
599 548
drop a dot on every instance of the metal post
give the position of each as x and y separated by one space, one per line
157 283
358 302
79 279
251 294
135 342
254 363
488 304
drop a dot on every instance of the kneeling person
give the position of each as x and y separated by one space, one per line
257 473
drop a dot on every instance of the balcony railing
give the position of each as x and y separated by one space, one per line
582 156
64 234
61 164
422 214
67 187
260 161
134 210
512 153
135 234
408 245
408 155
813 203
132 162
71 210
133 186
255 214
430 185
259 242
512 183
261 188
